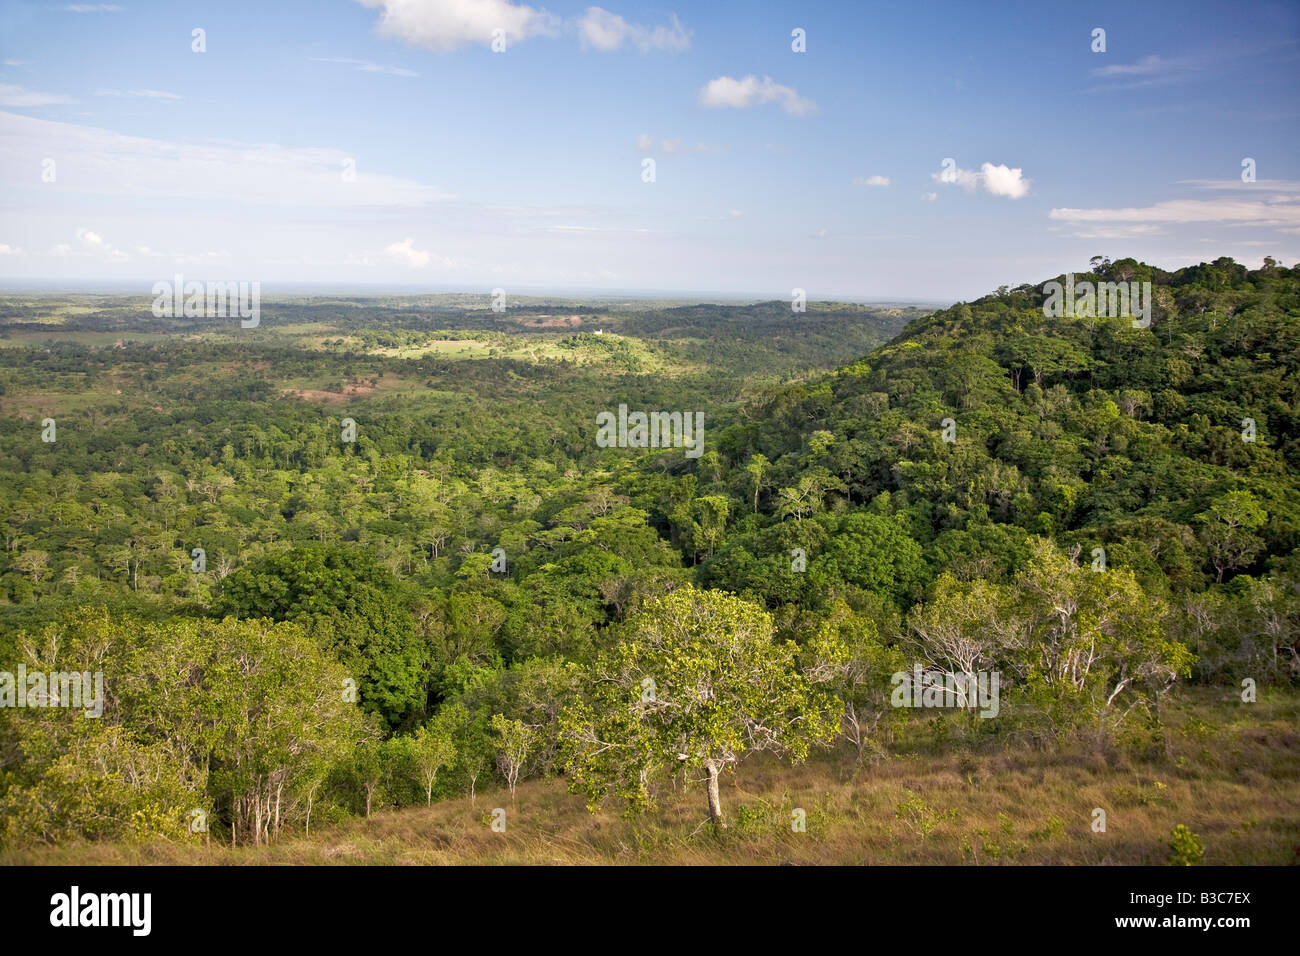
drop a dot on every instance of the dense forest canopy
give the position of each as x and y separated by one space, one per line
292 623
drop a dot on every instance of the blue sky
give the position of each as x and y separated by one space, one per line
523 169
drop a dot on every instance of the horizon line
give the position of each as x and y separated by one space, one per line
376 290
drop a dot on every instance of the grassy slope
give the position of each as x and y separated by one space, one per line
1228 770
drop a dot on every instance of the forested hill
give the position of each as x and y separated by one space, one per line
1082 429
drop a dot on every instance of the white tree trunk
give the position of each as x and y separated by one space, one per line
715 803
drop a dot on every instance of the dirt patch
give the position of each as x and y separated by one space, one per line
320 395
553 322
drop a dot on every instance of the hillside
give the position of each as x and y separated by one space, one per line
1173 448
1232 780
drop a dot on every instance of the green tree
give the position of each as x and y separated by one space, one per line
696 681
1227 530
875 553
515 741
846 655
757 471
239 715
435 749
353 607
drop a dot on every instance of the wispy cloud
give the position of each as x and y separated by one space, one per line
601 230
1134 231
93 8
1275 211
602 30
114 164
728 92
140 94
731 214
17 96
650 144
1153 70
871 181
365 66
1262 185
1143 67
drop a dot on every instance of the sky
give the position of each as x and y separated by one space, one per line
910 150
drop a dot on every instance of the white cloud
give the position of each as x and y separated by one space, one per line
1277 185
444 25
365 66
16 96
601 230
139 94
1145 66
929 197
16 62
648 144
964 178
90 245
8 250
1148 71
113 164
406 252
997 180
651 144
731 214
94 244
149 253
1120 232
1003 181
608 31
1284 211
726 92
871 181
94 8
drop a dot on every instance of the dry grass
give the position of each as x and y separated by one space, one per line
1228 771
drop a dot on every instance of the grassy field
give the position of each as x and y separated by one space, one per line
1228 771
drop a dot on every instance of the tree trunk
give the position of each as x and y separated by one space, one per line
715 804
